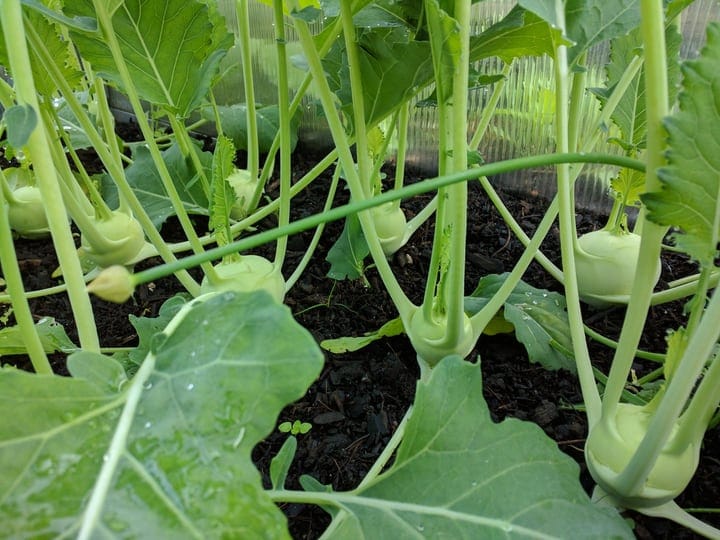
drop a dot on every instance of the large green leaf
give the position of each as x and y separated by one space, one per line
538 316
172 48
145 180
458 475
168 454
690 194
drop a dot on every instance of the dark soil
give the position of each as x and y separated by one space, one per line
360 398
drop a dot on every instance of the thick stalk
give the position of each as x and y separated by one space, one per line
591 397
37 144
400 300
652 26
105 21
284 118
243 41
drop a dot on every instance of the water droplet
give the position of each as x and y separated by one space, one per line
190 386
205 322
193 354
474 484
528 293
116 525
507 527
544 295
148 425
148 385
106 457
525 318
534 303
421 528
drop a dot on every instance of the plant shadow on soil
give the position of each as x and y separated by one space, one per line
359 398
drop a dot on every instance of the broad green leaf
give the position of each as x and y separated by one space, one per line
591 21
172 49
539 318
459 475
41 20
169 455
520 33
52 336
629 185
347 254
234 122
393 68
86 24
222 195
690 195
145 180
20 121
629 115
393 327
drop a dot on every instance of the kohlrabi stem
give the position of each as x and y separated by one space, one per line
400 300
243 41
289 282
402 138
109 155
188 148
663 423
105 22
652 26
488 109
355 207
284 118
12 22
14 286
591 396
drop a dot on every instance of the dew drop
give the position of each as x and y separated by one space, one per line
474 484
106 457
193 354
148 385
190 386
421 528
544 295
148 425
205 322
534 302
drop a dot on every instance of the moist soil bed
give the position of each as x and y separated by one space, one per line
359 398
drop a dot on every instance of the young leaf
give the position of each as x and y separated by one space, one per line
459 475
148 327
222 195
280 464
169 455
21 121
145 180
52 336
539 318
393 327
690 195
172 49
346 256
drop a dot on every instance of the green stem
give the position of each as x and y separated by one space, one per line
19 58
401 301
656 93
355 207
284 119
402 135
14 285
253 152
663 422
105 21
568 235
109 155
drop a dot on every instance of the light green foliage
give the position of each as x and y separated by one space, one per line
121 239
52 336
295 428
145 180
222 196
605 266
690 194
538 317
393 327
347 254
172 48
210 390
246 274
459 475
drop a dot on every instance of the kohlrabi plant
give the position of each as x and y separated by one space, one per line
158 441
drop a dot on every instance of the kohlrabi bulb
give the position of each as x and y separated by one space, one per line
26 213
428 338
605 266
390 226
613 441
244 187
118 240
250 273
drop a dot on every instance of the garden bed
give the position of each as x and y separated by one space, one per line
360 397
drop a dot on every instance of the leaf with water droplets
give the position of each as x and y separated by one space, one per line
169 454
